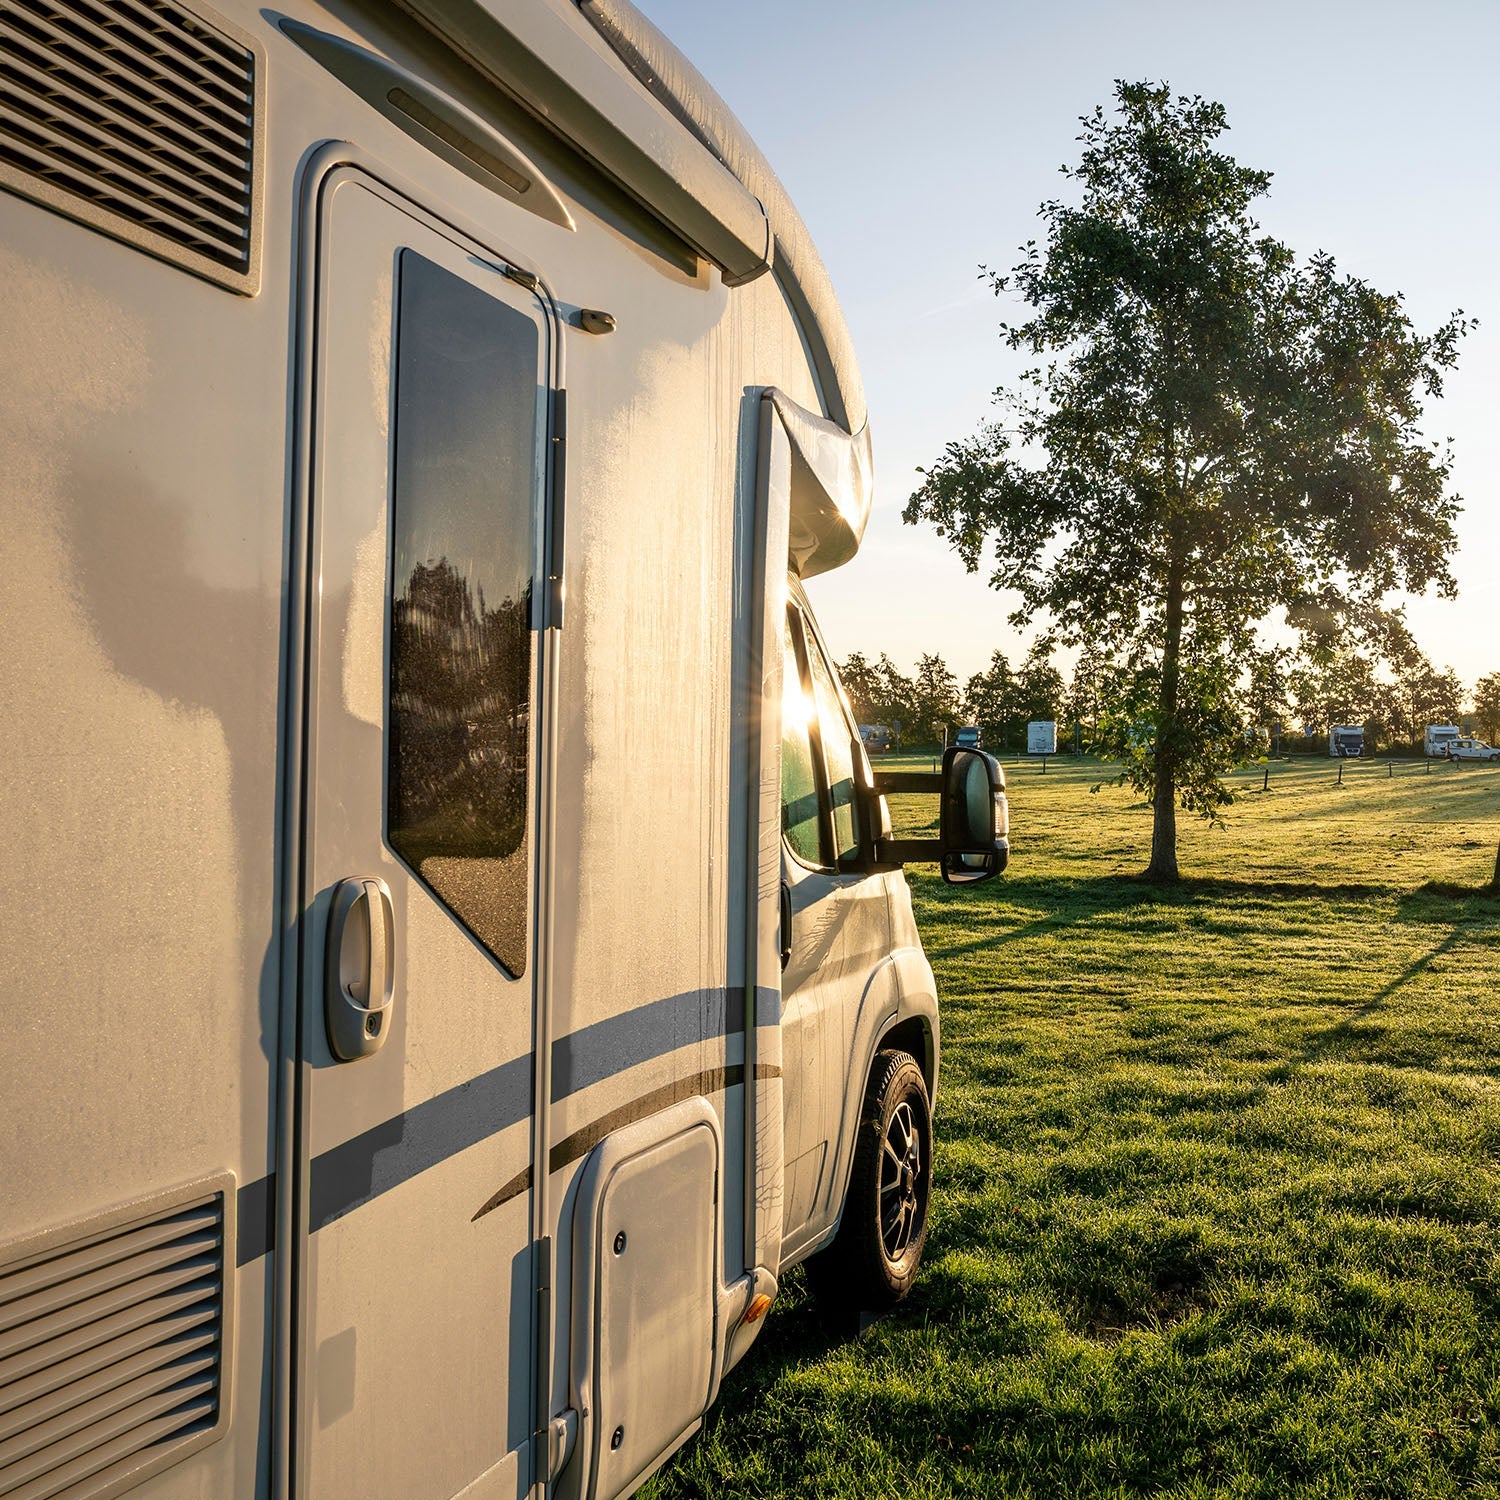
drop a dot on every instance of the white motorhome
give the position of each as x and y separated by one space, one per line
1346 740
1041 737
455 956
1440 738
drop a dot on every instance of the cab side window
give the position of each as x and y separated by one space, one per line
801 803
820 813
837 734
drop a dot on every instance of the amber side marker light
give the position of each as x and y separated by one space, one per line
757 1309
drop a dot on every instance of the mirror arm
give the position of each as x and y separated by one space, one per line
962 860
908 781
909 851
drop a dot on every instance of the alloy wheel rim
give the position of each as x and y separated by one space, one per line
901 1181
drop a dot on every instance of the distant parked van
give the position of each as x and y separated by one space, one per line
876 738
1346 741
1440 738
968 737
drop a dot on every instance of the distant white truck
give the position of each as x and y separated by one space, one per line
1439 738
1041 737
1471 749
1346 740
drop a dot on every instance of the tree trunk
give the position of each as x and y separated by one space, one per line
1163 864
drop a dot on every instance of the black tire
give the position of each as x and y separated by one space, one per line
872 1262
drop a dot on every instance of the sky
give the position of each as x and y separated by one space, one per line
918 141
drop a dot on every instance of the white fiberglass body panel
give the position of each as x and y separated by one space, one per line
202 520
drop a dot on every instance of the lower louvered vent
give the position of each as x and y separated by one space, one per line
138 117
110 1353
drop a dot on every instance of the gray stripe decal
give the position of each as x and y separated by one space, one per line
255 1219
635 1036
581 1142
358 1170
649 1031
767 1006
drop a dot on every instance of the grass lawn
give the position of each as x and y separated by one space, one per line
1217 1195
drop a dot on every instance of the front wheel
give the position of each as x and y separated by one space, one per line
873 1260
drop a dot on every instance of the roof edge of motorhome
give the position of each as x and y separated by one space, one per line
683 90
547 57
599 75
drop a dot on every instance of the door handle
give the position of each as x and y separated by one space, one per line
359 967
786 925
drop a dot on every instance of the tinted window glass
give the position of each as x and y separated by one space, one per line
466 487
801 814
837 735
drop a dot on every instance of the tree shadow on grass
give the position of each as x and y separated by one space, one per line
1074 902
1452 897
1339 1038
1464 910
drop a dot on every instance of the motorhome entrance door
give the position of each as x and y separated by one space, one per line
414 1363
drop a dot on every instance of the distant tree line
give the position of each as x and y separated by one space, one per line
1394 692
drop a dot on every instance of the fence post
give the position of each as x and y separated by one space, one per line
1390 769
1341 770
1265 784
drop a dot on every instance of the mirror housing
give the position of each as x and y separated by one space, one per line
973 820
974 827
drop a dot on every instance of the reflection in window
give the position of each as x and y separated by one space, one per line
466 486
801 819
837 735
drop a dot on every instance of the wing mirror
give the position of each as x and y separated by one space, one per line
973 840
975 822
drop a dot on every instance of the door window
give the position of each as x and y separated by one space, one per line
466 483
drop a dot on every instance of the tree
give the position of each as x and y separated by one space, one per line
935 700
990 701
1487 711
1039 685
1214 432
1420 695
879 694
862 683
1337 688
1093 685
1268 687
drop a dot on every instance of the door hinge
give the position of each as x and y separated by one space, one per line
552 1437
541 1457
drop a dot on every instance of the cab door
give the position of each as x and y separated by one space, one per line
839 932
429 427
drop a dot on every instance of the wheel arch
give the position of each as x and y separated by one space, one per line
913 1035
911 1027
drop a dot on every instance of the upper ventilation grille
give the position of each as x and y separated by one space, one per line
112 1352
138 117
